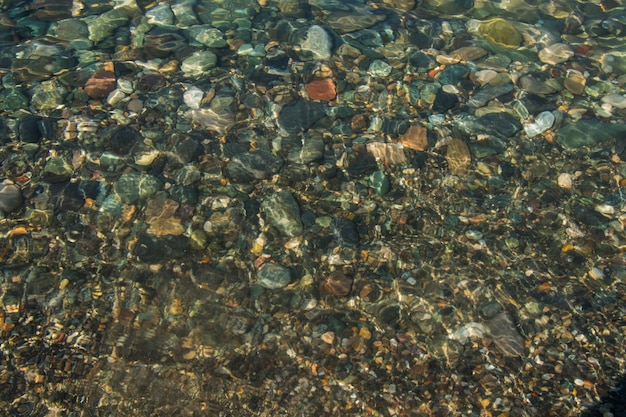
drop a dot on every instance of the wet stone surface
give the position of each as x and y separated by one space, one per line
316 208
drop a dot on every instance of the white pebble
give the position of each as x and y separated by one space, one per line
565 181
193 97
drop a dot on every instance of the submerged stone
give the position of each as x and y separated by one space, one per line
300 116
273 276
249 166
589 133
282 212
10 197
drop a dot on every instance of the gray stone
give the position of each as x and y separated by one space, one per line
218 117
317 42
273 276
300 116
10 197
505 335
282 212
485 94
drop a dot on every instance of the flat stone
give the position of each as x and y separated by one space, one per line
100 84
501 124
250 166
458 157
325 89
416 138
273 276
487 93
300 116
500 32
589 133
505 335
556 54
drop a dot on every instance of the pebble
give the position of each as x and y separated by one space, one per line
487 93
100 84
219 117
575 82
543 122
556 54
500 124
193 97
273 276
379 68
282 212
10 197
616 100
565 181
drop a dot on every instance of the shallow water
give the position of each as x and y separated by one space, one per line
281 208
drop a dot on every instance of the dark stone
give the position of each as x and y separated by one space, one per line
336 283
589 133
151 249
300 116
500 124
250 166
444 102
345 231
121 139
487 93
189 150
453 74
33 129
67 196
361 163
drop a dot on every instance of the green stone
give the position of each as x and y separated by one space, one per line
59 167
589 133
500 32
134 186
379 182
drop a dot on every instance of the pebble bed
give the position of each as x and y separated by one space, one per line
313 208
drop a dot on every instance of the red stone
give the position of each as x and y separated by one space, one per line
100 84
321 89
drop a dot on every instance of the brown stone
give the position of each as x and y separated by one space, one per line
100 84
388 153
459 157
416 138
358 122
321 89
336 283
